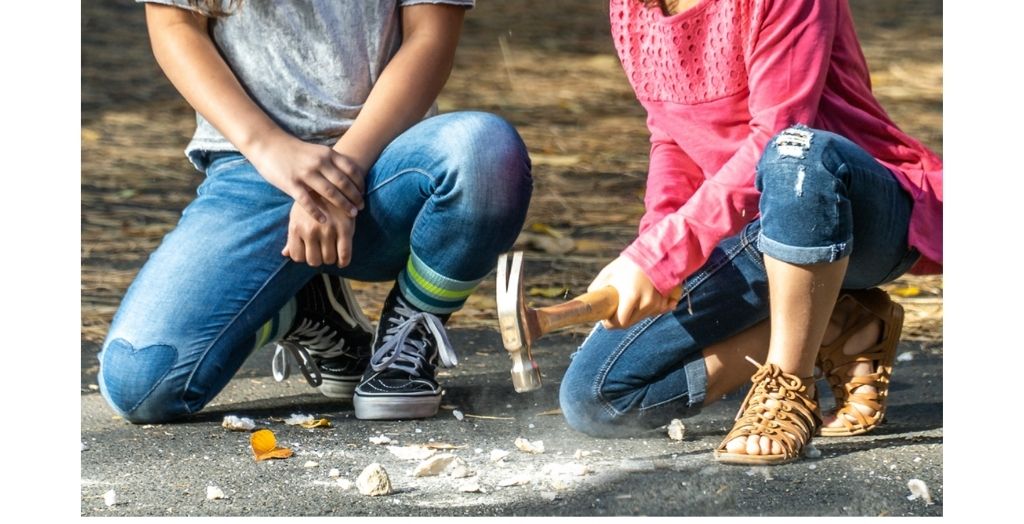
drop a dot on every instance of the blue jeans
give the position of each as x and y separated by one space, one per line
454 189
819 193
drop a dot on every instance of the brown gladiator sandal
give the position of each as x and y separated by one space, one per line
789 421
870 305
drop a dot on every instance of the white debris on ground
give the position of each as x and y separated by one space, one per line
498 455
458 414
344 484
380 440
214 493
573 469
84 446
906 356
373 481
676 429
459 469
310 464
516 480
298 418
549 496
470 486
811 452
411 452
334 473
582 453
535 447
433 465
238 423
110 498
918 489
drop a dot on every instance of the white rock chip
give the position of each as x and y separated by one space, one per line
374 481
433 465
574 469
811 452
110 498
535 447
498 454
458 414
380 440
459 469
344 484
517 480
411 452
676 429
470 486
918 489
298 418
310 464
334 473
906 356
84 447
549 496
214 493
238 423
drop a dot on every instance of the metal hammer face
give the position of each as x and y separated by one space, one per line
517 323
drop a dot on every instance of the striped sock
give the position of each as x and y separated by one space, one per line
278 324
431 291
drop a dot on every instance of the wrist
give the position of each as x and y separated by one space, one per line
258 141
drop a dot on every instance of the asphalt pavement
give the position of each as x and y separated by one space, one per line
166 469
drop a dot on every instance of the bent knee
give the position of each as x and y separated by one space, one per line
134 381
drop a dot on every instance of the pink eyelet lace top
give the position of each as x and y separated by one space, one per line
720 79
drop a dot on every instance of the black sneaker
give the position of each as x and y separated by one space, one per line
329 338
401 382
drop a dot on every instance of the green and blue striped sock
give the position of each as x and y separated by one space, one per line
431 291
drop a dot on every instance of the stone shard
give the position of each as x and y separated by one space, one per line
433 465
374 481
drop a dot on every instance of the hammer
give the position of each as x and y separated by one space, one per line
521 325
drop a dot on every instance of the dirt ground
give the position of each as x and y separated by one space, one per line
547 67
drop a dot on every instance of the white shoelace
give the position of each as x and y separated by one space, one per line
399 352
279 364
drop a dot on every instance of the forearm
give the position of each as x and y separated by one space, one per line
188 57
408 85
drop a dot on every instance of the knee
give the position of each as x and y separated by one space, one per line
134 382
800 162
491 166
586 408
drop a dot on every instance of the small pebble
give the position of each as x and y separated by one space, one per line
471 486
813 466
334 473
374 481
345 484
676 429
918 489
214 493
906 356
811 452
458 414
110 498
498 454
531 426
84 447
550 496
418 430
380 440
433 465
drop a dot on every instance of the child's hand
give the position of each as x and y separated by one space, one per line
316 243
638 298
305 171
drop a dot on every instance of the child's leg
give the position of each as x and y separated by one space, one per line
626 382
814 184
191 316
443 200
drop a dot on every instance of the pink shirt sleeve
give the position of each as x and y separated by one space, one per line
673 177
786 69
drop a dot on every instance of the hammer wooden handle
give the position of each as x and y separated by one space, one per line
589 307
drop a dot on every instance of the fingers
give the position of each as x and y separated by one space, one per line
295 248
304 198
328 190
314 256
345 174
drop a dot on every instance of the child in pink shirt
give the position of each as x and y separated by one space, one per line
779 195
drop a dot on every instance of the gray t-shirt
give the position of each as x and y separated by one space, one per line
309 64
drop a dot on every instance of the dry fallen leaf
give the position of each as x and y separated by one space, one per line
442 445
556 411
264 446
548 292
318 423
906 291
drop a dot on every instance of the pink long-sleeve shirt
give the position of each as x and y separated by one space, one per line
718 81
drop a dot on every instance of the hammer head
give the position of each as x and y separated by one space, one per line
518 323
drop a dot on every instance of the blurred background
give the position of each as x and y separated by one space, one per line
548 67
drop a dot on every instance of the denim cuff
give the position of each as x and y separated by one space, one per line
696 380
803 255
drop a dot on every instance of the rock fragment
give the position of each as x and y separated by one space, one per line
433 465
334 473
110 498
498 455
919 490
238 423
470 486
676 429
536 447
380 440
214 493
344 484
374 481
517 480
459 469
411 452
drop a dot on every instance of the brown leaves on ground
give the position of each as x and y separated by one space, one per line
264 446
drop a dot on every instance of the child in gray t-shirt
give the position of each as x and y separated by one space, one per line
319 167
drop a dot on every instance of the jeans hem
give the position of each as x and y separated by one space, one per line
803 255
696 380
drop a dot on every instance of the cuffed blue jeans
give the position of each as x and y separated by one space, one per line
822 198
454 189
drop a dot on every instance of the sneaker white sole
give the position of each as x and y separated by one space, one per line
396 408
338 387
